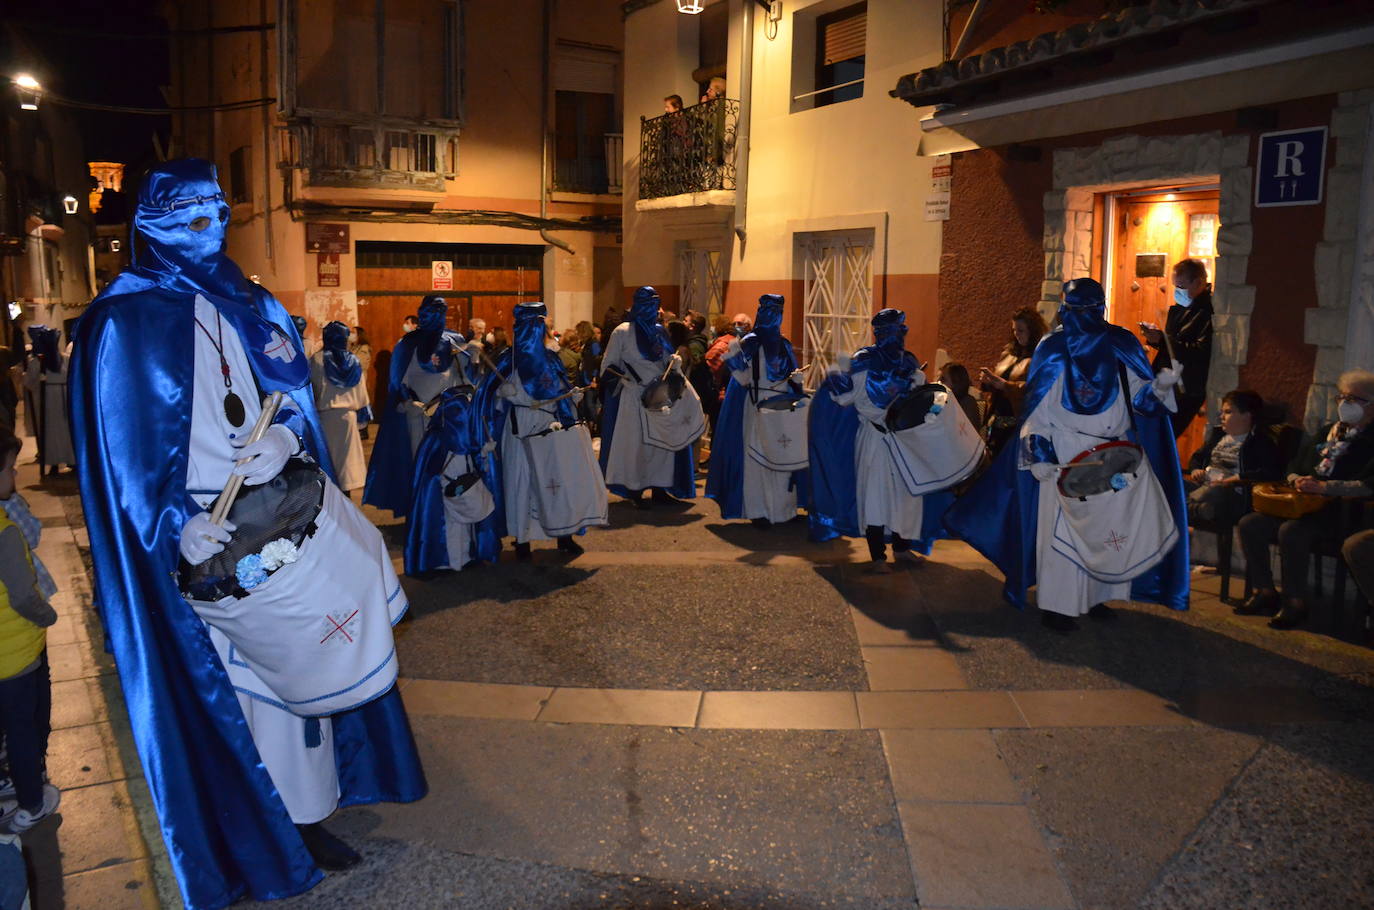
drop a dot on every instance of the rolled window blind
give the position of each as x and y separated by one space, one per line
844 37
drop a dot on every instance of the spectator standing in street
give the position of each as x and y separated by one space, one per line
717 353
1005 383
361 347
1187 335
25 682
499 342
336 377
955 378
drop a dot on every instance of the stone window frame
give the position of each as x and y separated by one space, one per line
1131 161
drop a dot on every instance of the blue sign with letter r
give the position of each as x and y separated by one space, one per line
1290 167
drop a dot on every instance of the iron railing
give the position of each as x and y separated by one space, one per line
689 151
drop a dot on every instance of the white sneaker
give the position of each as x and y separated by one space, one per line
23 819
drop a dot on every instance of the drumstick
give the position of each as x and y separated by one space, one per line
235 481
568 394
1079 464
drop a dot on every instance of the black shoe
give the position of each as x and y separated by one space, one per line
663 497
1261 603
1103 613
762 524
1293 614
329 853
522 552
638 499
1057 622
570 546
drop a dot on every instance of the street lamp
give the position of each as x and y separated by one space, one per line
690 7
69 204
29 91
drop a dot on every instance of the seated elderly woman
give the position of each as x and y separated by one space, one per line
1235 452
1336 461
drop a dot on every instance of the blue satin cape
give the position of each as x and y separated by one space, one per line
999 515
227 832
457 427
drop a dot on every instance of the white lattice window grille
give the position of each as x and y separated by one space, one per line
838 300
702 279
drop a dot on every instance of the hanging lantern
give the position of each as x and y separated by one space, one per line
29 91
690 7
69 204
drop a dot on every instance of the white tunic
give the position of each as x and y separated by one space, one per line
632 463
339 419
882 496
1062 586
517 476
427 386
767 494
307 779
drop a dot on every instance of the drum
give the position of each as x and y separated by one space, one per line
568 486
284 508
675 423
1279 500
1114 520
467 498
663 392
930 440
778 435
1101 469
314 636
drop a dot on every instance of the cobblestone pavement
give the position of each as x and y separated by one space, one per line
699 714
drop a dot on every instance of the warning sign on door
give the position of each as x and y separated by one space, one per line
441 275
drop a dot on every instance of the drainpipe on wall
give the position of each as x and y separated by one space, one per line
545 87
746 91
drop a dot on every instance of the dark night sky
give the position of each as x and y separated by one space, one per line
97 52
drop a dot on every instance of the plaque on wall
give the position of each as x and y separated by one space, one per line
1150 265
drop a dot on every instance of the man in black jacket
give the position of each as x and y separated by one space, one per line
1188 328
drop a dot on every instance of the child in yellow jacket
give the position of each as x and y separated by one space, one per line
25 683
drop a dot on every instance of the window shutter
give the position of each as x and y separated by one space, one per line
844 38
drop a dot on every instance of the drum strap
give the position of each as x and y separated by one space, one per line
1126 396
754 387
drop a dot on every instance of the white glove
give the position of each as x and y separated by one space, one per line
201 538
676 362
489 446
1043 471
1166 379
733 349
797 376
268 455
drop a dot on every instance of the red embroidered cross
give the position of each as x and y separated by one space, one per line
784 440
1115 541
339 626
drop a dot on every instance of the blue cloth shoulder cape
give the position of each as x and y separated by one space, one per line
832 435
998 516
461 429
725 473
227 832
389 470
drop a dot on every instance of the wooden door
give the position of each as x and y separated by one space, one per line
1152 234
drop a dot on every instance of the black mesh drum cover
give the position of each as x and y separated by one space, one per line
911 408
1117 457
785 401
663 393
284 507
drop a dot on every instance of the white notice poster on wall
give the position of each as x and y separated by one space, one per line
937 207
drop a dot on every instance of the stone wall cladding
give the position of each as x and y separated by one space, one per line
1343 272
1130 159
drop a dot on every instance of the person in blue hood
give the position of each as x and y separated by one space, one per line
169 366
424 363
336 375
638 354
1089 383
551 485
762 365
456 516
856 490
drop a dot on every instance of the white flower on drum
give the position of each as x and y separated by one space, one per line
555 426
278 553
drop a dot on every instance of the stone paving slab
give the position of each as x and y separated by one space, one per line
1292 831
417 876
804 812
1116 804
947 766
646 627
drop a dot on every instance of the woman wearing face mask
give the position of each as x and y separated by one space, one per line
1338 460
1188 327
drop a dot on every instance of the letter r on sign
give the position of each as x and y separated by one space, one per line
1289 157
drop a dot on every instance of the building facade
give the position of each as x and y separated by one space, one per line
802 180
407 148
1117 141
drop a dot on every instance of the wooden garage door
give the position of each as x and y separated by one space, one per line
488 281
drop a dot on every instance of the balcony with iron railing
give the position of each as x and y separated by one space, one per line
597 168
688 152
370 156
